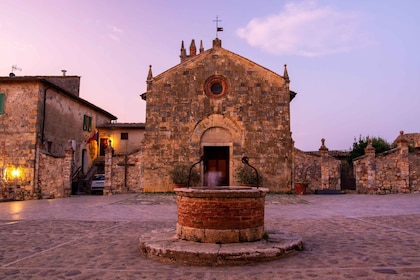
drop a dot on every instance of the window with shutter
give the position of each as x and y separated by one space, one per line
2 101
124 135
87 123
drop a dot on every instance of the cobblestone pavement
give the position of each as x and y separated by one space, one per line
95 237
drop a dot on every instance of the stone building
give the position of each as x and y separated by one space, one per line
120 155
412 139
125 138
48 133
221 105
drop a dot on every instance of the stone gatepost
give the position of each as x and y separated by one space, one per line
403 166
108 171
68 159
325 169
371 166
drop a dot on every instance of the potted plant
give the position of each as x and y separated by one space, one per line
179 175
247 176
302 184
300 187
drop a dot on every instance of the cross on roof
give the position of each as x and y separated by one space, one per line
218 29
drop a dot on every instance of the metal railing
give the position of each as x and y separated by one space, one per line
245 160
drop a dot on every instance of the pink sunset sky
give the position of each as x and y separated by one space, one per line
354 64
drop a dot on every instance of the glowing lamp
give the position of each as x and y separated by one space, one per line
16 173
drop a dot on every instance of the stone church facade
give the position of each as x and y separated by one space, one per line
221 105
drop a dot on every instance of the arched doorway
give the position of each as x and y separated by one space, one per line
217 148
216 166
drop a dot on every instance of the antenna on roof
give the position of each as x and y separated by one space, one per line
14 68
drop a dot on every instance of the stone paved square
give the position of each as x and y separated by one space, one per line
95 237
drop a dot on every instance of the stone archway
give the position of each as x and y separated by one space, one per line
217 120
217 135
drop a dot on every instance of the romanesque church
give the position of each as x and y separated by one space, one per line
221 105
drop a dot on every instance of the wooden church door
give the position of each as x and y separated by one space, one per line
216 166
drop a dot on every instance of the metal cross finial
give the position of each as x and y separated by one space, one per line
218 29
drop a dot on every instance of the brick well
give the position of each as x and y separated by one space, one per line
226 215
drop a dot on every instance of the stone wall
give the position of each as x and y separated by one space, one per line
414 163
64 117
123 173
318 170
388 172
395 171
18 132
307 169
69 83
54 177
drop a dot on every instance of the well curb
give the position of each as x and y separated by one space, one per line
164 246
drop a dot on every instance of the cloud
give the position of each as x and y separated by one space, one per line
306 29
113 37
114 33
116 29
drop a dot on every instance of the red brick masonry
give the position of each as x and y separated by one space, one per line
223 215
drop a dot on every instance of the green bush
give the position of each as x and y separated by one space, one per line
247 176
358 149
180 172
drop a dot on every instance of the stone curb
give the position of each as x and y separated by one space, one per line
164 246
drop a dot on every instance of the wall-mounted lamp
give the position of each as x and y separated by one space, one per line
13 175
16 173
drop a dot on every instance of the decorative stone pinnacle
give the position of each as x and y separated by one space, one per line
323 147
369 141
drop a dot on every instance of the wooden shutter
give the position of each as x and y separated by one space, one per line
2 100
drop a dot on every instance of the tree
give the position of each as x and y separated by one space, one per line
380 145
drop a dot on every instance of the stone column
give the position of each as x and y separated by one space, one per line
325 169
371 167
403 166
108 171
